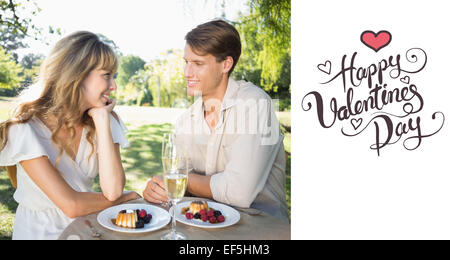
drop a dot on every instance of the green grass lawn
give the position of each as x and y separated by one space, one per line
8 207
141 161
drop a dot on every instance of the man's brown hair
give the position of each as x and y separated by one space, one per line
217 38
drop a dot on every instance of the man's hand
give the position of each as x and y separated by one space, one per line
155 191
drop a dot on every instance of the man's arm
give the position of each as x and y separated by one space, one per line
198 185
246 173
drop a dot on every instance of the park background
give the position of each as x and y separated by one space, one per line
148 37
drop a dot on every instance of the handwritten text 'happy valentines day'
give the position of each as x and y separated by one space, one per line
390 126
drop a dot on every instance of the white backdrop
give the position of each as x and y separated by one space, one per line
341 189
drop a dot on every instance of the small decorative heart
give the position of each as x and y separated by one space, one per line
326 67
405 79
376 41
356 122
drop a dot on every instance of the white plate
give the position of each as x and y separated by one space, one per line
231 215
160 218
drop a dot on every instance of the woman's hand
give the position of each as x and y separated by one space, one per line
102 113
129 195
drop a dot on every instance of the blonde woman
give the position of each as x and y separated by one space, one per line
64 138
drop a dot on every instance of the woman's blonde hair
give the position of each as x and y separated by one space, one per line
61 75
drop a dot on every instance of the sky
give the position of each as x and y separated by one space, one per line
139 27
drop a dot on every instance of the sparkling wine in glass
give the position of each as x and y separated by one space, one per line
175 185
168 154
176 170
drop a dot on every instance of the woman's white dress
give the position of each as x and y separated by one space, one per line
37 217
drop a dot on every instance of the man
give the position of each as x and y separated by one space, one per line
231 131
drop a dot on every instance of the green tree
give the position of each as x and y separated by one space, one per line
129 66
9 71
111 43
16 25
11 41
166 81
266 44
9 15
30 68
160 83
136 91
13 26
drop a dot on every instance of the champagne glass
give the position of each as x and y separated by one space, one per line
176 169
168 152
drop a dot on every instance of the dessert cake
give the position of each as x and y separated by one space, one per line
132 218
127 219
198 205
200 211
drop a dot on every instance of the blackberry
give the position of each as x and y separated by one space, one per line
197 216
217 213
146 219
140 224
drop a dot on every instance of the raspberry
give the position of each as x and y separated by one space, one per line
202 212
204 218
142 213
211 213
220 218
189 215
212 220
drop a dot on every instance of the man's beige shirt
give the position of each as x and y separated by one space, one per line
244 153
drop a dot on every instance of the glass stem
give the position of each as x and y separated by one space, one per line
174 223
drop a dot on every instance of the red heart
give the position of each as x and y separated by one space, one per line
376 41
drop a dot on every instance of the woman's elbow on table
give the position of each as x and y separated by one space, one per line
70 213
71 209
113 191
112 195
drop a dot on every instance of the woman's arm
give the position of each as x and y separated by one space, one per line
112 175
71 202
